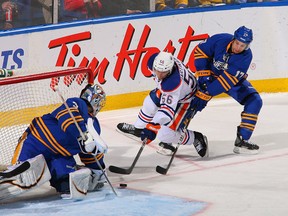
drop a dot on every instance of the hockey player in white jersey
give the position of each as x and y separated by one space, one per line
168 109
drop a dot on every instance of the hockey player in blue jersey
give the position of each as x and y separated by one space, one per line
221 63
56 138
166 111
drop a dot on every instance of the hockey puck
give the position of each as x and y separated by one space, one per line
123 185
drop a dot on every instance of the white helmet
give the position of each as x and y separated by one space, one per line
163 62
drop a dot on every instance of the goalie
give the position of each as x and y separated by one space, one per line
50 143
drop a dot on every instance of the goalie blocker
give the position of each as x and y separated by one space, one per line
80 181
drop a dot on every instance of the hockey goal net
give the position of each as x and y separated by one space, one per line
26 96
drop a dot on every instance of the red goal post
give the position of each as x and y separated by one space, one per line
28 95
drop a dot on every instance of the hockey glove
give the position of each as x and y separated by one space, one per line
204 82
200 100
204 78
150 132
89 145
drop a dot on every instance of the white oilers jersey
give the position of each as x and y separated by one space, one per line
176 89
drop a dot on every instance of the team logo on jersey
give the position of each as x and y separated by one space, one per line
75 104
226 57
220 65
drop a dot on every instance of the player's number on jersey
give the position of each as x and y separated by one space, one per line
189 79
166 98
239 74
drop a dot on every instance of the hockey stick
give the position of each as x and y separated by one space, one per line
127 171
83 137
163 170
18 170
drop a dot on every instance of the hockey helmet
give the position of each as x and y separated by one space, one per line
163 62
95 95
243 34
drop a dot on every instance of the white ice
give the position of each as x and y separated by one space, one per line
225 184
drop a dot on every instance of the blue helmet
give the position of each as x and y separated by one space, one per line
244 35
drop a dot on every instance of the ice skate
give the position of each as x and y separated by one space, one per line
129 130
244 147
201 144
166 149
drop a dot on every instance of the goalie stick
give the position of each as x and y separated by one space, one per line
127 171
18 170
83 137
163 170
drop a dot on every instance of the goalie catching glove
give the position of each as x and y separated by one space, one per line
150 132
87 145
93 143
90 145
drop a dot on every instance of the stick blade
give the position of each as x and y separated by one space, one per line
161 170
18 170
119 170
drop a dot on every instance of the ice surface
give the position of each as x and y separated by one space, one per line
224 184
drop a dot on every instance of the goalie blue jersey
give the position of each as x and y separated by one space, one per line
228 69
55 135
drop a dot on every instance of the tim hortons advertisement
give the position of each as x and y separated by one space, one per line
117 51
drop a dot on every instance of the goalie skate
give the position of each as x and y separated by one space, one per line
129 130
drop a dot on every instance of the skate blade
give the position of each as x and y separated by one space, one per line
207 147
238 150
131 136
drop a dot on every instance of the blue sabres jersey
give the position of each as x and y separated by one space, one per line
55 134
214 55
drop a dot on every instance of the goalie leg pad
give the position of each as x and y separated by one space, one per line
35 176
3 167
97 180
78 183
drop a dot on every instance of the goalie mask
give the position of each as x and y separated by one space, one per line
96 97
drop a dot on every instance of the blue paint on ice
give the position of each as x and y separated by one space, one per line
105 203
